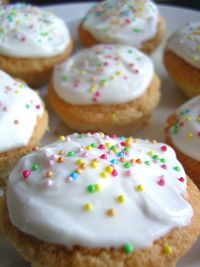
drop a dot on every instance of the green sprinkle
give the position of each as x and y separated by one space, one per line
35 167
91 188
65 78
126 149
176 168
156 157
71 153
136 30
127 165
128 248
27 106
94 145
163 160
147 163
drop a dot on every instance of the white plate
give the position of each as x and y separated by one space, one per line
171 99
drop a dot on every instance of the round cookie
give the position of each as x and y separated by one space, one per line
134 23
182 58
91 199
183 133
105 88
23 121
32 41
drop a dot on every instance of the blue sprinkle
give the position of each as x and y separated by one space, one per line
74 175
114 161
120 154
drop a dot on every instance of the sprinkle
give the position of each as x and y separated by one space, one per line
128 173
140 188
109 169
127 165
164 166
101 146
98 188
74 175
94 164
114 173
121 199
176 168
49 174
139 161
103 156
61 138
91 188
79 162
147 163
48 183
164 148
88 207
60 159
71 153
104 175
111 212
26 173
36 148
161 181
35 167
189 135
128 248
181 179
168 250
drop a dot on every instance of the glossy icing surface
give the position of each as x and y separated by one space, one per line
20 107
104 74
129 22
28 31
186 43
185 133
94 190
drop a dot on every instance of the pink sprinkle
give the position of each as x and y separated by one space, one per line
101 146
38 106
103 156
128 173
125 77
54 157
97 93
161 181
181 124
122 144
136 71
69 179
26 173
23 39
181 179
105 63
77 84
128 21
198 134
94 99
114 172
164 148
48 183
50 162
113 136
164 166
85 155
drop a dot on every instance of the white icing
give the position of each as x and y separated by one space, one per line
19 109
27 31
185 43
104 74
52 209
185 133
129 22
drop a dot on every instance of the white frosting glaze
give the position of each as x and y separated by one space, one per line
185 43
130 22
19 109
104 74
27 31
185 133
49 202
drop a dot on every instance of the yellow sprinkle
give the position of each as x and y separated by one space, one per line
119 73
88 207
93 88
140 188
198 119
93 164
102 134
98 187
79 171
17 92
79 162
83 72
168 250
113 77
89 148
150 153
187 118
104 175
61 152
109 169
121 199
108 145
61 138
189 135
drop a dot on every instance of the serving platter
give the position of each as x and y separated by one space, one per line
170 100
